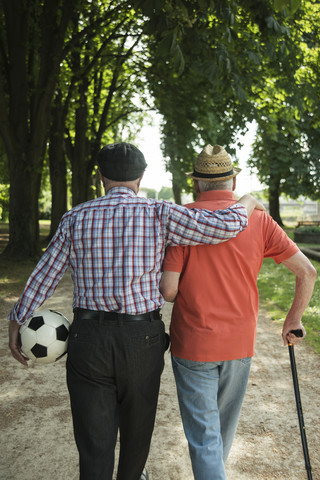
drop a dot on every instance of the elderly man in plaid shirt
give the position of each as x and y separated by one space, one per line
114 247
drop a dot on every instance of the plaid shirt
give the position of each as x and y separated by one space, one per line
115 245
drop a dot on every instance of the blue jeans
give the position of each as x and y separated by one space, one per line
210 397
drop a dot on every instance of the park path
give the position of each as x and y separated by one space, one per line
36 432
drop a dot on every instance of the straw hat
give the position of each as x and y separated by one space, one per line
214 164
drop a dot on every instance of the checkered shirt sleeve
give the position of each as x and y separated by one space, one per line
114 247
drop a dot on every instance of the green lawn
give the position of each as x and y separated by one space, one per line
276 286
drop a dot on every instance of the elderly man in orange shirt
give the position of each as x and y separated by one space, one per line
214 317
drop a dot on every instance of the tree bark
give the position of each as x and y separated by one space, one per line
176 192
57 164
23 207
81 175
274 195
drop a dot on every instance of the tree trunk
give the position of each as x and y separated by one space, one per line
23 208
34 33
274 203
58 168
81 175
176 192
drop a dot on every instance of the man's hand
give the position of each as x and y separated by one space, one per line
250 203
14 343
288 336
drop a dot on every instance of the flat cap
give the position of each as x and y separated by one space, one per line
121 162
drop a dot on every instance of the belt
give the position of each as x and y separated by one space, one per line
85 314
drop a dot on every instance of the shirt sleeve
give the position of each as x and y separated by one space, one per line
173 260
194 227
45 277
278 245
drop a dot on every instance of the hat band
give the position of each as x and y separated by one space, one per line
212 175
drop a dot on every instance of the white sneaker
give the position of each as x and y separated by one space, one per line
145 475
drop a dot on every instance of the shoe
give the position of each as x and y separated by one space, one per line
145 475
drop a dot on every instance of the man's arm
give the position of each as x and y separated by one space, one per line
305 274
200 226
169 284
14 342
44 279
40 285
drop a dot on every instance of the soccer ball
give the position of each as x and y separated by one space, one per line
44 337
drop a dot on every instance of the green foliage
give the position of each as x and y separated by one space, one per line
253 56
150 192
261 195
276 286
288 5
229 49
210 66
4 202
308 229
106 72
286 149
45 202
166 193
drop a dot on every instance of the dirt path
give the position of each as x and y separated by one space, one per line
36 432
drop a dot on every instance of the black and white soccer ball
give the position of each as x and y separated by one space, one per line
44 337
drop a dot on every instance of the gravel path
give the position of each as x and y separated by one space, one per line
36 432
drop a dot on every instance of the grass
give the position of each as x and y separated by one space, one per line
276 286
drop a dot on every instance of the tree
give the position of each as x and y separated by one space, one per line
32 38
308 81
73 73
150 192
286 152
205 93
106 80
166 193
278 157
57 161
66 75
103 72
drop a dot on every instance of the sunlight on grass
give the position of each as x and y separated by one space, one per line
6 281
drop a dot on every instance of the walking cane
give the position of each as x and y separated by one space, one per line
299 333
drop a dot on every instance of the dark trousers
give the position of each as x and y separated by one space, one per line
113 377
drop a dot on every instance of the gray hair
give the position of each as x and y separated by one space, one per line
206 186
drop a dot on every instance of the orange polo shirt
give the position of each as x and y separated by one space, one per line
214 316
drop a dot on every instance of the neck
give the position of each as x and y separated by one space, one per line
130 185
133 184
